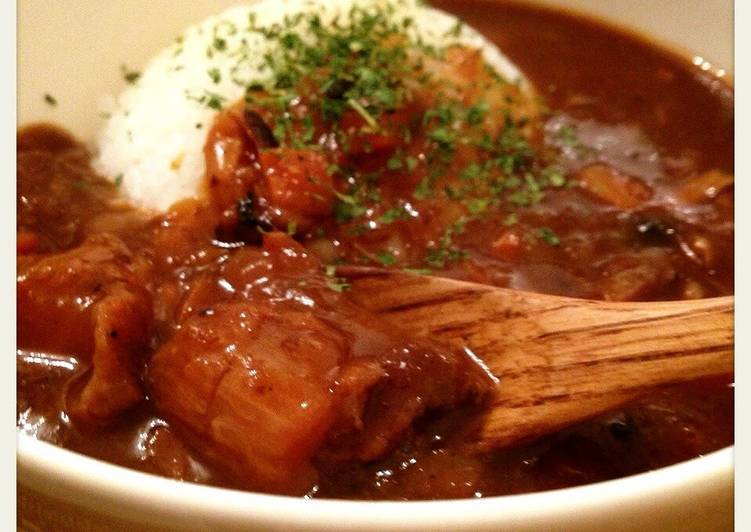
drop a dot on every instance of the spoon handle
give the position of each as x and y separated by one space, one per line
558 360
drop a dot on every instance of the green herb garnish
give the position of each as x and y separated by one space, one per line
337 284
215 75
130 76
386 258
511 219
548 236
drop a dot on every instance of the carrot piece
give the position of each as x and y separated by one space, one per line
610 186
705 186
297 184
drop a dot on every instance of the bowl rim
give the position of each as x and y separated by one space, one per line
86 481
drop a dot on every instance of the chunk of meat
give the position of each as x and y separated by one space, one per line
461 74
232 168
254 387
283 187
379 397
297 187
636 276
88 303
272 370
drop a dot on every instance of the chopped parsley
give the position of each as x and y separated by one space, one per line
419 271
548 236
568 137
554 177
456 29
50 100
511 219
386 258
446 250
472 171
348 207
423 189
337 284
357 106
215 102
210 99
394 163
391 215
130 76
477 205
215 75
443 136
476 113
219 44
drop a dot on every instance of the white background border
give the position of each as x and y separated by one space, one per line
742 257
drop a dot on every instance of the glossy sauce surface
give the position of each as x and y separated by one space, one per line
644 142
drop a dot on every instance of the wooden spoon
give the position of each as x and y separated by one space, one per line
556 360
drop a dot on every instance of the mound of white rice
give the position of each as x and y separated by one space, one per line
152 142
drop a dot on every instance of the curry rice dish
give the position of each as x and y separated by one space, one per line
194 325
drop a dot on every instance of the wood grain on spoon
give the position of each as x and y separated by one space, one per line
557 360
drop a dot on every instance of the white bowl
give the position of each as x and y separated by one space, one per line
74 50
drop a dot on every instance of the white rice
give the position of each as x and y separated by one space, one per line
152 142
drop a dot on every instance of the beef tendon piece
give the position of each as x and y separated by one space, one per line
252 382
272 374
88 303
